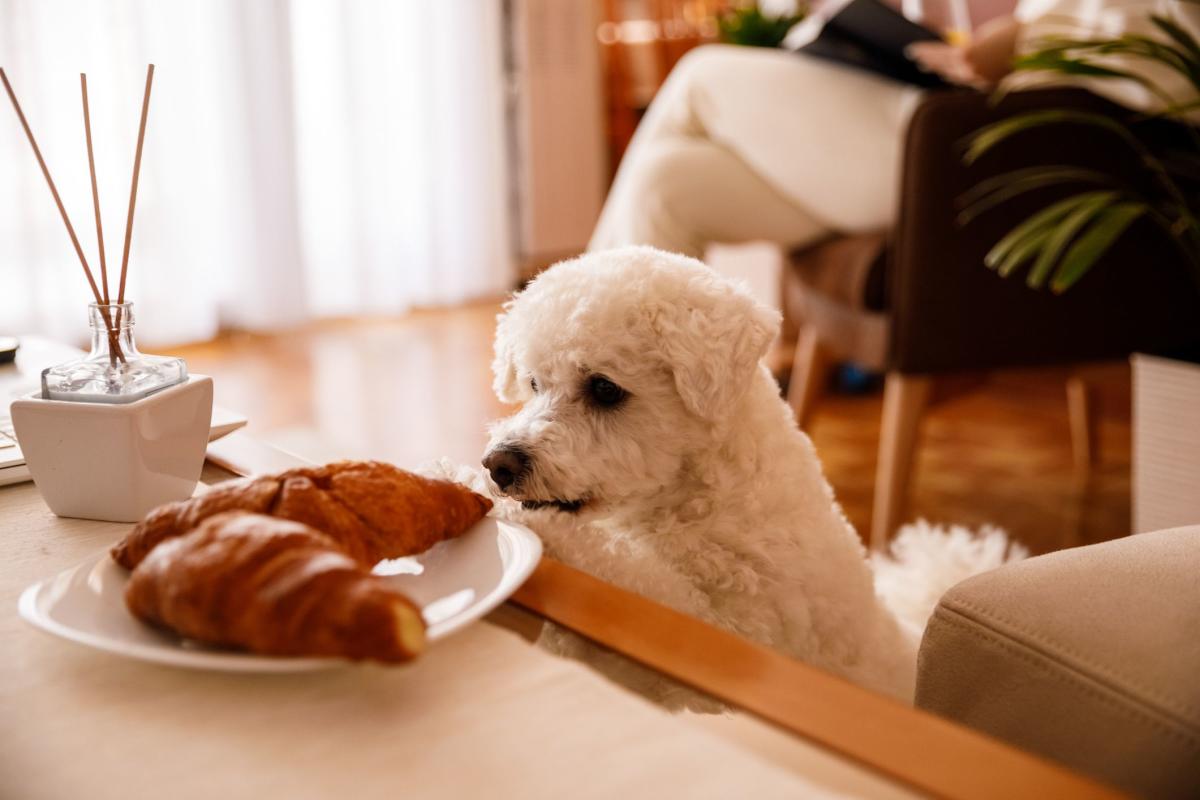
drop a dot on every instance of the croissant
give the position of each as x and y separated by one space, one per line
274 587
371 509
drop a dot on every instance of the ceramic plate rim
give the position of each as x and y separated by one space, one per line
524 539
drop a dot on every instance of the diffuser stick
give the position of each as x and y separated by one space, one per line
87 129
61 209
114 339
137 169
53 190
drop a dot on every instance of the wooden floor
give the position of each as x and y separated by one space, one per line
419 388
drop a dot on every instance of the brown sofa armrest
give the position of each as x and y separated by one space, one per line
950 312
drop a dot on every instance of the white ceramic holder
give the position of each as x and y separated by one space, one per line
115 462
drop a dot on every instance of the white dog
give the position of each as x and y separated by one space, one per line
653 450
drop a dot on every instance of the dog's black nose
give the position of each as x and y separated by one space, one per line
507 465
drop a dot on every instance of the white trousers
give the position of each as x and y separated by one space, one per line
747 144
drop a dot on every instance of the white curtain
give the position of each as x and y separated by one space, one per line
302 159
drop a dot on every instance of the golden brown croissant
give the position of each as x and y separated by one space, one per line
373 510
274 587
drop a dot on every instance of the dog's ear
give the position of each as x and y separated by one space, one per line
713 343
506 379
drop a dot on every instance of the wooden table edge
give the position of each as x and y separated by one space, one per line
908 745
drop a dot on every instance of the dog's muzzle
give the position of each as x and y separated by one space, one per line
507 465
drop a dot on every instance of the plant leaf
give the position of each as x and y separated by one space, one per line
1063 233
988 137
1072 66
1070 56
1183 164
1107 228
997 189
1177 34
1036 224
1178 109
1153 50
1187 50
1024 250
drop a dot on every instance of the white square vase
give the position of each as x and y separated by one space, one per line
116 462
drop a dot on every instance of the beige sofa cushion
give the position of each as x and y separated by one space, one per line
1090 657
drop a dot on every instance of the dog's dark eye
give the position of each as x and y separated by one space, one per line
604 393
533 385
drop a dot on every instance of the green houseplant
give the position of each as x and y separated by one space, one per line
750 26
1065 239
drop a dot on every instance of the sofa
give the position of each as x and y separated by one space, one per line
1088 656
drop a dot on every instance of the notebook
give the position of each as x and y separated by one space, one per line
865 34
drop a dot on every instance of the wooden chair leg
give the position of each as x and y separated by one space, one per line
810 374
1082 417
904 400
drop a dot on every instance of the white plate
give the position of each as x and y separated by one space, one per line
455 583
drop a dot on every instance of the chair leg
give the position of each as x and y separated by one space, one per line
1082 418
810 374
904 400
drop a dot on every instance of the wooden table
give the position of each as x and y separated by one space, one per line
483 713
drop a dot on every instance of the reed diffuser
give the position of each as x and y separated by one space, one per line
113 371
115 433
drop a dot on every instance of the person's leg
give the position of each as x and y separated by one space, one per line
748 143
688 192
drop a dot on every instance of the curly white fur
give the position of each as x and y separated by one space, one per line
700 491
925 560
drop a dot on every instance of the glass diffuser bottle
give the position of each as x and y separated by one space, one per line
114 371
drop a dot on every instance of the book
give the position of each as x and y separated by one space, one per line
868 35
